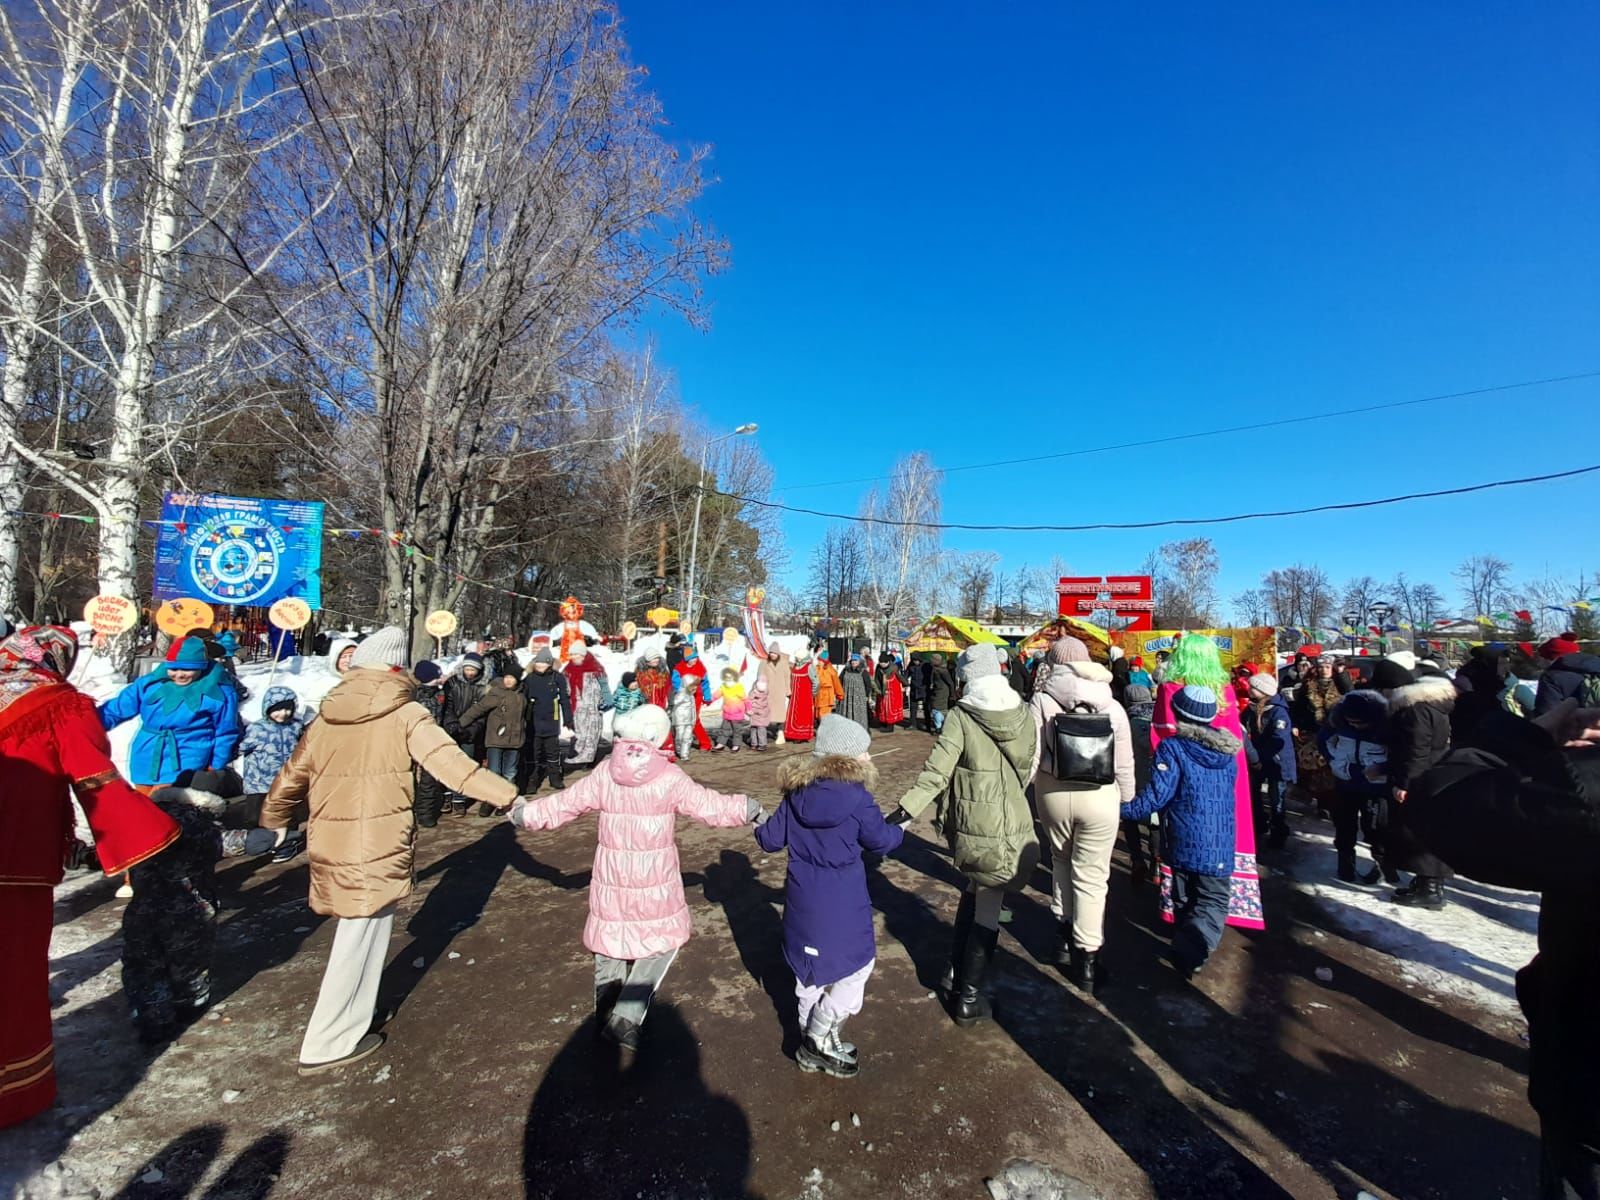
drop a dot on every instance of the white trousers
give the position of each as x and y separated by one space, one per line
349 991
1082 822
833 1001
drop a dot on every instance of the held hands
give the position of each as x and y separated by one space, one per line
753 812
899 817
1571 727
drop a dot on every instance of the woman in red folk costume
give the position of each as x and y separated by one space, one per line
800 724
655 682
891 692
50 739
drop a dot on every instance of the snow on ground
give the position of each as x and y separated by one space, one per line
1471 950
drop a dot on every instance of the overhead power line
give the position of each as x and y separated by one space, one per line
1249 427
1166 521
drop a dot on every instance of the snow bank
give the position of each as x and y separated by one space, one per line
1471 950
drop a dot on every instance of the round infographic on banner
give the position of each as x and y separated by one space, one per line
235 558
111 615
441 623
290 613
178 617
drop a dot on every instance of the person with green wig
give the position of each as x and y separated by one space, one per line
1196 660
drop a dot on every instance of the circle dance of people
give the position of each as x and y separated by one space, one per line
1477 772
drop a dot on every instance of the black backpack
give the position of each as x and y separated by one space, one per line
1082 746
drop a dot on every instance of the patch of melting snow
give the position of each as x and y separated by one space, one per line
1471 950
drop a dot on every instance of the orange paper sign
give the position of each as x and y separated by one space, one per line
176 618
290 613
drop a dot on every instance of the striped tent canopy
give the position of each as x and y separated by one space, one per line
1090 634
951 635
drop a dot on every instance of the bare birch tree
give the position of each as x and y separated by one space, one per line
507 197
900 555
139 135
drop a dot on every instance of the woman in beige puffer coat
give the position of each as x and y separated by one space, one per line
353 769
1080 818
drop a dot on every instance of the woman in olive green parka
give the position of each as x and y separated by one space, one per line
978 775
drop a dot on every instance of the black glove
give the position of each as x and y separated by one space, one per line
899 817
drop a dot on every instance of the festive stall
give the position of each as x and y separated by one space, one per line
1236 646
951 635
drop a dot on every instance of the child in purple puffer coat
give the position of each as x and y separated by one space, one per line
827 817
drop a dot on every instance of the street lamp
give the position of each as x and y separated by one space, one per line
699 497
1351 621
1380 613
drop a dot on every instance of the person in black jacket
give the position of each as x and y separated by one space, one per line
461 691
1570 674
549 712
1521 809
1484 675
941 691
1419 736
430 796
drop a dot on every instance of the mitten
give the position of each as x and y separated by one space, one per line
753 812
514 813
899 817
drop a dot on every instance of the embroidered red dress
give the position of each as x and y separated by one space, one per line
800 724
50 738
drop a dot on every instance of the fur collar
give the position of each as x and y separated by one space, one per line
1209 736
1436 690
209 803
808 769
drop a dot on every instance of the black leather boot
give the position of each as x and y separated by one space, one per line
965 911
1084 971
1347 866
1064 950
969 1002
1426 891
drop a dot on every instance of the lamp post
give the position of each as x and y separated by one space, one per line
699 497
1351 621
1380 613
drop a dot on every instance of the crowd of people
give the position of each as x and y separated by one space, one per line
1482 770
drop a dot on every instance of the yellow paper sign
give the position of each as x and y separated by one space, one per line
111 615
176 618
290 613
629 630
661 617
441 623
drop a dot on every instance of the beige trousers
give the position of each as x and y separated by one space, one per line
1081 820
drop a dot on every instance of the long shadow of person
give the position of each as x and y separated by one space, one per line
174 1171
601 1130
1091 1057
1267 1063
757 928
467 878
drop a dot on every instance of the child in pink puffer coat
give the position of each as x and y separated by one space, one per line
638 917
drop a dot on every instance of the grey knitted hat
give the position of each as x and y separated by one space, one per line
840 737
389 647
978 661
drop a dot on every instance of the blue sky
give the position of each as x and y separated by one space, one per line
992 231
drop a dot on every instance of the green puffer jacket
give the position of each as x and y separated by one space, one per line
978 774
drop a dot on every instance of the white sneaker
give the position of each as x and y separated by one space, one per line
125 892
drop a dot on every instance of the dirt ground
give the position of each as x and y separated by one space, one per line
1261 1080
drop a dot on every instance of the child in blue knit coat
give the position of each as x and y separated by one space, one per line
1192 784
